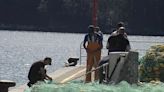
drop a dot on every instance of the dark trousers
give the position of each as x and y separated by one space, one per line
103 75
36 78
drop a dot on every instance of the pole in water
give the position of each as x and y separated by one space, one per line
94 14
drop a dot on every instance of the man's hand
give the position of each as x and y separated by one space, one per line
49 78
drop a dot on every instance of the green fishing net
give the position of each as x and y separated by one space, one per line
95 87
152 64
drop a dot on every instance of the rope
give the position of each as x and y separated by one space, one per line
90 71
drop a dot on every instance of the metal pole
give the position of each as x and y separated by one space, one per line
94 14
80 52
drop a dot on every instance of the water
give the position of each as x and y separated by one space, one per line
18 50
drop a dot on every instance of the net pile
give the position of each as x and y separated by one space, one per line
152 65
95 87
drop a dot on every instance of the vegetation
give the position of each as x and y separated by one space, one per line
142 17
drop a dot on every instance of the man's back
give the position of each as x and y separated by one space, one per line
118 43
34 70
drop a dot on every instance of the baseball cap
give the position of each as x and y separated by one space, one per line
48 59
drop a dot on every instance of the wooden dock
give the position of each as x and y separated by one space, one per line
62 75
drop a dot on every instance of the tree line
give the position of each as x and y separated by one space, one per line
142 17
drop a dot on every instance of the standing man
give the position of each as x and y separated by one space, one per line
38 72
115 32
93 45
118 42
99 32
115 43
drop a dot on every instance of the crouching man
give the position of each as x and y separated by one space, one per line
38 72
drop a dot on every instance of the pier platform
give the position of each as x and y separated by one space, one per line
62 75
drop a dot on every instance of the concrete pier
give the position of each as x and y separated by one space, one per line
127 69
62 75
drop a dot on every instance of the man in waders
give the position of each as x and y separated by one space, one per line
93 45
38 72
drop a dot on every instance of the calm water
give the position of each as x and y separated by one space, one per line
18 50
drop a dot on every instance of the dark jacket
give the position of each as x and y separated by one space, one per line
118 43
34 73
